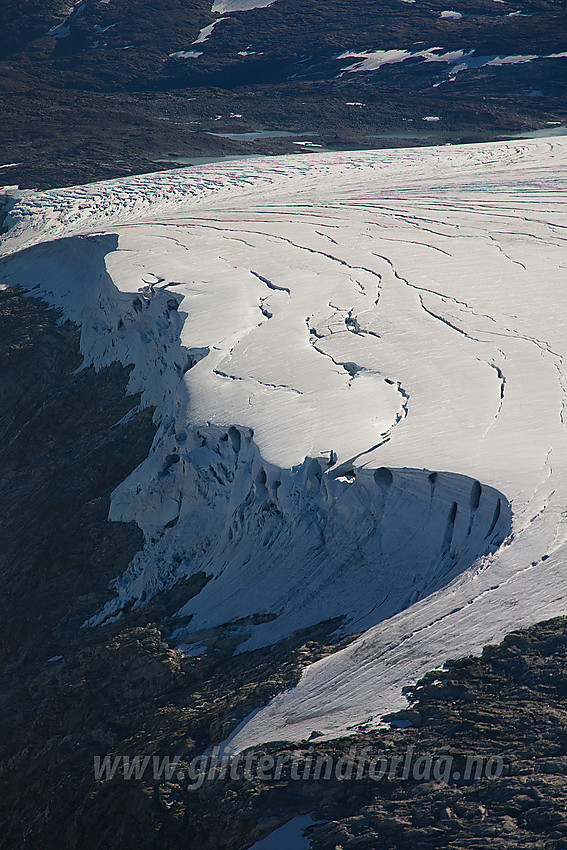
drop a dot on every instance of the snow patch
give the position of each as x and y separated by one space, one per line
225 6
459 60
60 31
185 54
289 836
205 32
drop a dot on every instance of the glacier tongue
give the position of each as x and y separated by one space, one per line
357 365
303 545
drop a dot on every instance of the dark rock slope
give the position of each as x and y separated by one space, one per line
100 89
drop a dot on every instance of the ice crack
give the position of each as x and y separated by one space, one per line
257 381
269 283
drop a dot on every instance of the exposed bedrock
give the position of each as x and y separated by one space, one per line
68 436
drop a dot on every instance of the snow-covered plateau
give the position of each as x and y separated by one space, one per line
357 367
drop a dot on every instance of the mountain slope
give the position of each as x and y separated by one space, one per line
105 89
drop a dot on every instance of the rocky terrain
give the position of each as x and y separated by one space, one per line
108 89
508 703
70 694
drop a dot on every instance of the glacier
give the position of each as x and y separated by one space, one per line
356 362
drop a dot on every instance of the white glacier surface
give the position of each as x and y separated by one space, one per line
357 367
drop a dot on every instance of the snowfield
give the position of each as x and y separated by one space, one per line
457 60
357 365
